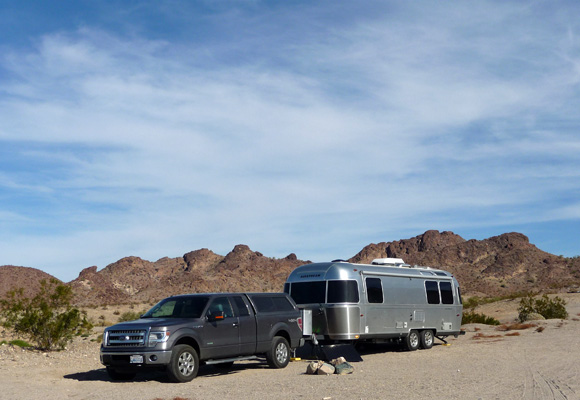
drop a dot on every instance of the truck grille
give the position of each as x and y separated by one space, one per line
126 338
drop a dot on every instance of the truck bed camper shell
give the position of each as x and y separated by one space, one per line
384 300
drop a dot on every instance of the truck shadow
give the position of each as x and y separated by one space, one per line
205 371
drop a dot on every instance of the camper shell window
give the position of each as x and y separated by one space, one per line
374 290
432 292
342 292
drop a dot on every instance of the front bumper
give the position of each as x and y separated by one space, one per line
122 359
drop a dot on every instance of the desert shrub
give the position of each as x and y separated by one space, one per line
47 319
471 317
546 307
515 327
129 316
476 301
19 343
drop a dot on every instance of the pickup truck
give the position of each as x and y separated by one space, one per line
180 332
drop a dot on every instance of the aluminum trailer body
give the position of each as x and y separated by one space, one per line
385 300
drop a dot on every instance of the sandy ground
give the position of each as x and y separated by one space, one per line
540 362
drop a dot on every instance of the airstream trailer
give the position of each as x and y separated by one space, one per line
384 300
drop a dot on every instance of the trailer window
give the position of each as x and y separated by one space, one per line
308 292
446 292
459 296
342 292
432 292
374 290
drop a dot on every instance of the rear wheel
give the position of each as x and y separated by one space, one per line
279 354
184 364
412 341
427 339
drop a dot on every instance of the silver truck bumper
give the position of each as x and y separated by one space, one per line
135 358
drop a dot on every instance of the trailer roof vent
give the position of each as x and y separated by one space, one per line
393 262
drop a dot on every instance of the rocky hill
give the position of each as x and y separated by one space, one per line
12 277
499 265
133 279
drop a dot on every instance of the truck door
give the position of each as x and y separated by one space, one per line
221 335
247 326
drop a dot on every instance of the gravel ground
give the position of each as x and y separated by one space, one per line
540 362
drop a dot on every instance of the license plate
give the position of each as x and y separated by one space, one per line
136 359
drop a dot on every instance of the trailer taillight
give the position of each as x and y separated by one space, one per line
299 320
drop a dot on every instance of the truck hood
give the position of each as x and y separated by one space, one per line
144 323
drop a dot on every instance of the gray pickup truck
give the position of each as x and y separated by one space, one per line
180 332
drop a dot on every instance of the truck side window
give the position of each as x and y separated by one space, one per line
221 304
432 292
242 307
374 290
446 292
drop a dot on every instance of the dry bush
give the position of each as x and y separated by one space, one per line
515 327
480 335
175 398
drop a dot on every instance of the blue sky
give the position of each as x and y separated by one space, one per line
156 128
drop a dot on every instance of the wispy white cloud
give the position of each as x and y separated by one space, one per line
320 137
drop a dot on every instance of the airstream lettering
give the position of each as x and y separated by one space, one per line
385 300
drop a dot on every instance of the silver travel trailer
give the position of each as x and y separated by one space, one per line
382 301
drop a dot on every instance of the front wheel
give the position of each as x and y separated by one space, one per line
279 354
412 341
427 339
184 364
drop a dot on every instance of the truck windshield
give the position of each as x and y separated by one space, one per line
178 307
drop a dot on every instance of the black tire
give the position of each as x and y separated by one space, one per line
427 339
413 341
120 375
184 364
279 354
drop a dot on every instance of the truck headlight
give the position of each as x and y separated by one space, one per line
157 337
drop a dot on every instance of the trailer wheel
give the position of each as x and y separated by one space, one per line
184 364
413 341
427 339
279 354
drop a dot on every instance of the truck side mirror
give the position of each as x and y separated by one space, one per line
215 316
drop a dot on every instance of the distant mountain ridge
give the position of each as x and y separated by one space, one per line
498 265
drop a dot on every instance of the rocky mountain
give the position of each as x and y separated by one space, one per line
499 265
12 277
133 279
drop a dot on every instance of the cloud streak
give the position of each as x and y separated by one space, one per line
316 138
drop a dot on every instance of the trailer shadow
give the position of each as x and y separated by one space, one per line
377 348
351 352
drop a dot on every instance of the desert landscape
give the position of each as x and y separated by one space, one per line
488 362
537 360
